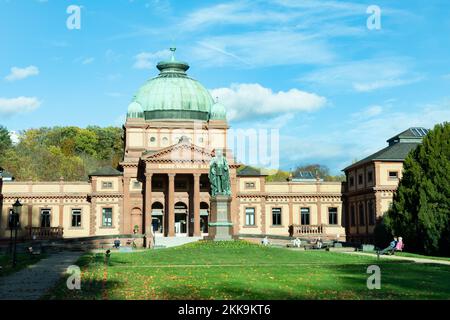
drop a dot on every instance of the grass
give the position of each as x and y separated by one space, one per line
23 261
241 270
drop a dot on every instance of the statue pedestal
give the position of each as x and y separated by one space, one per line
220 226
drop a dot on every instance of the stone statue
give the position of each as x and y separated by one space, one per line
219 175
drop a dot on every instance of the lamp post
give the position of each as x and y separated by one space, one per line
17 208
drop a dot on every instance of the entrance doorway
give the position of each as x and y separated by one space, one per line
204 217
157 217
181 218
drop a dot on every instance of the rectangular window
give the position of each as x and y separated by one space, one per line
157 184
371 212
332 216
362 215
76 218
360 179
11 219
107 185
352 216
180 185
369 176
249 185
250 216
136 184
45 218
393 174
304 216
276 216
352 181
107 217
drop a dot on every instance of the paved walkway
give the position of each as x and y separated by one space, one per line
394 257
32 282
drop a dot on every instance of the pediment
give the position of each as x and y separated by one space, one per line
180 152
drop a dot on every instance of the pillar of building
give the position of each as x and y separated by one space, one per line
126 206
171 204
148 203
197 231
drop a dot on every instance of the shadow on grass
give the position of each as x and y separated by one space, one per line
403 280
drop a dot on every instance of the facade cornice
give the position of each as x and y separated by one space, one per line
288 195
45 196
106 195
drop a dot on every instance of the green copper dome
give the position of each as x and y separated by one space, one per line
135 110
174 95
218 112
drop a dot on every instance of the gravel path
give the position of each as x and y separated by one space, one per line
394 257
32 282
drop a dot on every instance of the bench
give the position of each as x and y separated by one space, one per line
33 252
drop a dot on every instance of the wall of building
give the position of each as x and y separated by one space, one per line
290 197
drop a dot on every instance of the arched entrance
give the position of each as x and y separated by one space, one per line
204 217
181 218
157 217
136 220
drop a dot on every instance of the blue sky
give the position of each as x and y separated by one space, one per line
334 89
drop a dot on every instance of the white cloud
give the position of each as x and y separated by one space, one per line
249 100
13 106
88 60
363 134
148 60
238 13
366 75
262 49
368 112
22 73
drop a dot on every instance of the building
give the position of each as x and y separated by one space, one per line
172 129
371 183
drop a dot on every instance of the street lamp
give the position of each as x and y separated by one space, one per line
17 208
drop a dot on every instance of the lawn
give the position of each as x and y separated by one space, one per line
23 260
241 270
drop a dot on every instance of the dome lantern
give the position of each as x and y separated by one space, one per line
173 94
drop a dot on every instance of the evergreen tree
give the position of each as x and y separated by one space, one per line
420 212
5 139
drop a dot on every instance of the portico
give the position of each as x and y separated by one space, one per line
177 190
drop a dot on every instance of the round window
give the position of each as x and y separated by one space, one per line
152 139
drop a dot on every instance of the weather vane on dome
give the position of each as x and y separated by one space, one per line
173 49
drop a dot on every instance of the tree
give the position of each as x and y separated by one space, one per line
319 170
5 140
47 154
420 211
279 175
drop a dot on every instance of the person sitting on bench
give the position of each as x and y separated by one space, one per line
399 246
390 248
319 244
297 242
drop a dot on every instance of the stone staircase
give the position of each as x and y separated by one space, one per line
167 242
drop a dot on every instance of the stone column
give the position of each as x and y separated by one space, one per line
197 231
170 203
126 225
148 204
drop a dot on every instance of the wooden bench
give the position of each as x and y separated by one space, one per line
33 252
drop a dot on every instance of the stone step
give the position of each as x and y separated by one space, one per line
174 241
